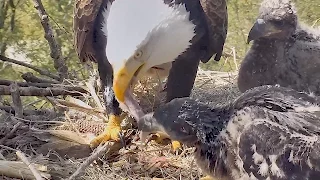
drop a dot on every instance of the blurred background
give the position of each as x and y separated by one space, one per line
22 37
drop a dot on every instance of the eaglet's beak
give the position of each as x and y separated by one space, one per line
261 29
124 76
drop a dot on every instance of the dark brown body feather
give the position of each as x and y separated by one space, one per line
85 14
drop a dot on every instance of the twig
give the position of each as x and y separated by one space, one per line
95 155
13 130
25 160
39 121
235 58
17 104
40 71
35 91
94 95
56 54
41 85
29 77
26 84
7 147
27 112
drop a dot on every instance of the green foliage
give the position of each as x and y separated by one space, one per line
20 30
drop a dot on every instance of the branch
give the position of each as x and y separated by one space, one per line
25 160
56 54
40 71
98 152
35 91
17 104
28 112
29 77
11 133
26 84
40 85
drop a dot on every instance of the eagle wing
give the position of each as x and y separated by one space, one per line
217 20
268 149
282 139
85 14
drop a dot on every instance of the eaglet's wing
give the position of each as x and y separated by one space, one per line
217 19
281 136
85 13
269 149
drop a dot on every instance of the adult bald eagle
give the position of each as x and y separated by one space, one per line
283 52
268 132
133 38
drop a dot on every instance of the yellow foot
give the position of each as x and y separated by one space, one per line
176 145
207 178
111 132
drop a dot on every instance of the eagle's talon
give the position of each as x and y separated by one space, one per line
207 178
176 145
111 132
122 140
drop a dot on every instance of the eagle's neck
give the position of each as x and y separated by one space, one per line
170 38
164 30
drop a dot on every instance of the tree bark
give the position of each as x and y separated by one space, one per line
35 91
55 48
40 71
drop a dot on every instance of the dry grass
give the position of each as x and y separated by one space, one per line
134 161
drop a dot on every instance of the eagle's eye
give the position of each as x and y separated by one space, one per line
138 54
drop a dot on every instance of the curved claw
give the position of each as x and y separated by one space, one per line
122 140
176 145
111 132
207 178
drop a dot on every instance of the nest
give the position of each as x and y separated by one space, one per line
61 145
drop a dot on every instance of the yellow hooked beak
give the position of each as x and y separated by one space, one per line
123 77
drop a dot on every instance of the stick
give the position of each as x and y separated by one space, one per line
95 155
56 54
28 112
25 160
13 130
19 170
235 57
26 84
40 71
29 77
17 105
40 85
35 91
7 147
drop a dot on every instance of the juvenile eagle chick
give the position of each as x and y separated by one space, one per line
283 52
269 132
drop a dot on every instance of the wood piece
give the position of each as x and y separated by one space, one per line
30 77
28 112
17 169
25 160
94 156
10 134
40 71
26 84
55 48
35 91
16 100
